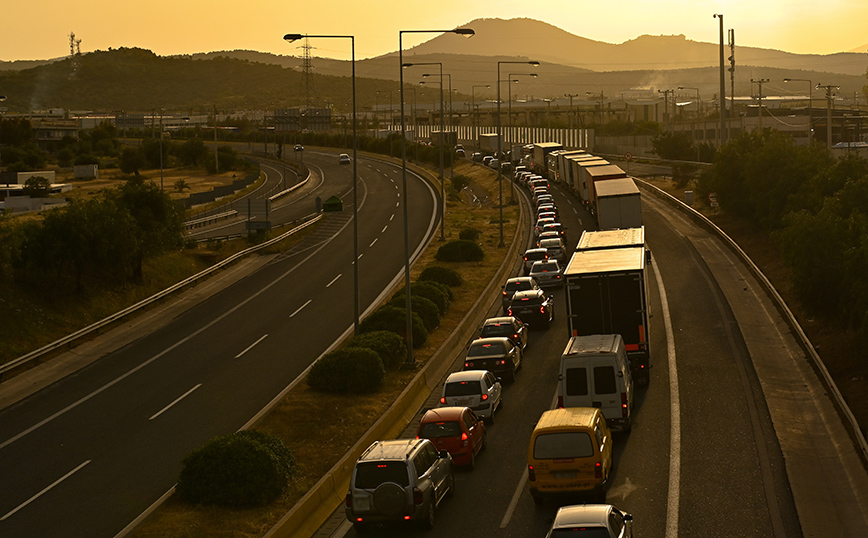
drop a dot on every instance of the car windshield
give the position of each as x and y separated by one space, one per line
370 474
433 430
462 388
487 348
581 531
549 446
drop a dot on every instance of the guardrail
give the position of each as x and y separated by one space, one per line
799 335
204 221
71 339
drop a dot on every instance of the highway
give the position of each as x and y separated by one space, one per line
88 454
718 472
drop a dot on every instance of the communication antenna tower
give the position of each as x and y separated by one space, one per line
74 45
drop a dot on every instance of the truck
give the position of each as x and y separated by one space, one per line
625 237
579 175
618 204
541 151
488 143
606 293
597 174
557 162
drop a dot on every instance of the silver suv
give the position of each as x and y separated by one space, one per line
399 480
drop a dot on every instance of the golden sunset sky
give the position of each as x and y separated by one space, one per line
38 30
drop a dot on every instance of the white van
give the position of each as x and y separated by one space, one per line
595 372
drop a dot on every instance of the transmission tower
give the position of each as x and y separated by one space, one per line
74 45
307 66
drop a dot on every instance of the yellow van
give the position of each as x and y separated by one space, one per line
570 452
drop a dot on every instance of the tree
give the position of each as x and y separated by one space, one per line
677 147
37 187
181 185
192 152
132 161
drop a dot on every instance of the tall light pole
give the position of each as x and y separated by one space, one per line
571 95
460 31
500 142
667 120
829 97
441 144
509 97
473 111
810 102
391 118
722 97
295 37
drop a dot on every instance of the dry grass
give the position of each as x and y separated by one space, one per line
321 428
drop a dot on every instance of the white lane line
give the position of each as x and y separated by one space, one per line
304 305
515 496
335 279
251 346
398 203
674 418
56 482
386 227
178 399
372 242
392 217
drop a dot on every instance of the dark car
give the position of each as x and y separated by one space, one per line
533 255
534 307
497 354
519 283
476 157
510 327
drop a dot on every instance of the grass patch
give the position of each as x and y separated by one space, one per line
320 428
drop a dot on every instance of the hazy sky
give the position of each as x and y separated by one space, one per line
39 29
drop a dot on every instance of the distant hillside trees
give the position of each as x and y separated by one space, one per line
813 205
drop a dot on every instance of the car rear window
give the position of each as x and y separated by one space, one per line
536 255
518 285
369 475
489 348
499 329
433 430
462 388
562 445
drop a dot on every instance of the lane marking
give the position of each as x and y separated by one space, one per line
386 227
304 305
675 419
372 242
392 217
512 503
248 348
178 399
56 482
334 280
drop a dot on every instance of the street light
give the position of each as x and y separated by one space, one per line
467 32
451 129
442 135
509 97
829 96
391 117
698 98
810 102
500 143
722 98
473 110
295 37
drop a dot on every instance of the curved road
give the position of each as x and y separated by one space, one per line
89 453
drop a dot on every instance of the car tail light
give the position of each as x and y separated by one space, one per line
531 475
542 310
443 400
509 311
468 365
464 436
484 397
560 402
500 362
515 336
349 501
624 408
418 498
598 470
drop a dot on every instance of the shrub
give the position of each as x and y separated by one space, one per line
469 234
443 275
354 370
459 181
388 345
246 468
430 290
442 287
460 251
393 318
425 308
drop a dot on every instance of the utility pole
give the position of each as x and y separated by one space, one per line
722 99
667 120
829 97
571 95
731 70
760 84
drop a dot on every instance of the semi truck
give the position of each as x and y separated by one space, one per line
580 166
618 204
596 174
557 163
606 293
488 143
541 151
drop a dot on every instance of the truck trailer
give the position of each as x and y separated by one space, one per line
596 174
606 293
618 204
580 167
540 153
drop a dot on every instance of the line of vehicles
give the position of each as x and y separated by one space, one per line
570 450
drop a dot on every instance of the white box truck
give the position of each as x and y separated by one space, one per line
618 204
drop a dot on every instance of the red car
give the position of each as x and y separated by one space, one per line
458 430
